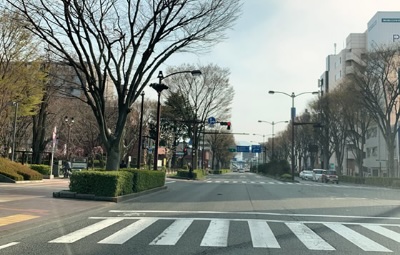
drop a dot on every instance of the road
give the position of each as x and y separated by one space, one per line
236 213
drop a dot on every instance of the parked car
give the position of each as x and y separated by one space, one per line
306 175
330 176
317 174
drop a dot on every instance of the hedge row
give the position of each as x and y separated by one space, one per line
373 181
115 183
43 169
196 174
222 171
17 171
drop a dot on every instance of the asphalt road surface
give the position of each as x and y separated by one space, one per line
236 213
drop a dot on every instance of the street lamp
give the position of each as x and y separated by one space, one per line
293 116
14 129
140 133
159 87
69 125
273 134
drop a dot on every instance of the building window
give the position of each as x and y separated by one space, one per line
368 152
374 152
372 132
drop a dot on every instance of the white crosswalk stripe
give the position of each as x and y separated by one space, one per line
282 183
218 231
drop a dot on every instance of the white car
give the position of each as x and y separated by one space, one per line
317 174
241 170
306 175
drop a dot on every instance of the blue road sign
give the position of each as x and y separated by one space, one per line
211 120
256 148
242 148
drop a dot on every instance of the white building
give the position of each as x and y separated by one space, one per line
383 30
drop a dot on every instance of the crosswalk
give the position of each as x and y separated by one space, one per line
218 231
275 183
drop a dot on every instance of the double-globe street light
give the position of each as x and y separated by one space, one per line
139 157
69 125
159 87
293 116
273 134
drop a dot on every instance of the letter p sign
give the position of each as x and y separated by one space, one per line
396 37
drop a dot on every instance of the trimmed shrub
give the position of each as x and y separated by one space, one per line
108 184
17 171
380 181
352 179
286 176
147 179
43 169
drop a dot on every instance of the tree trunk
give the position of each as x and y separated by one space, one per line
113 156
390 161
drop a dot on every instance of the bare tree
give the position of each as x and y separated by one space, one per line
125 41
358 120
208 96
377 78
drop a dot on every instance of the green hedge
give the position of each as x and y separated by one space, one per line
17 171
43 169
373 181
197 174
352 179
115 183
146 179
107 184
222 171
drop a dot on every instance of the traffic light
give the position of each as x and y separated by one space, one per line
185 151
228 124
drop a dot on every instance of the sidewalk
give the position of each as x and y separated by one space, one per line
27 203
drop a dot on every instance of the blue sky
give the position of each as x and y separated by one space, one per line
282 45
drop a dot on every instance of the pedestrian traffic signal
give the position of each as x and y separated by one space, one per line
229 126
185 151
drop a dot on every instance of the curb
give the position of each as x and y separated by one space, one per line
74 195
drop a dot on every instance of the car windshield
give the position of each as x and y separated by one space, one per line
330 172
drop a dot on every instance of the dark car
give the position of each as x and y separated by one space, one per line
330 176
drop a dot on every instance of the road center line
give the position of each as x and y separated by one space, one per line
8 245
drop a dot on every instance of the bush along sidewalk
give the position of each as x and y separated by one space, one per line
112 185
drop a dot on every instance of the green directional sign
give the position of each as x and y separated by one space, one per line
232 149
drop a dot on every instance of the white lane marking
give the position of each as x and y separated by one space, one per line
173 233
309 238
128 232
8 245
252 182
255 213
226 181
235 182
170 182
289 182
262 182
244 182
216 234
84 232
356 238
384 231
209 181
271 182
261 235
217 181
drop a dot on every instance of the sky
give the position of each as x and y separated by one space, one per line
282 45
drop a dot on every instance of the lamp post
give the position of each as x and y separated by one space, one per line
293 116
69 125
159 87
273 134
140 133
14 129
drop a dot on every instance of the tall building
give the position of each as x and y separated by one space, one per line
383 30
